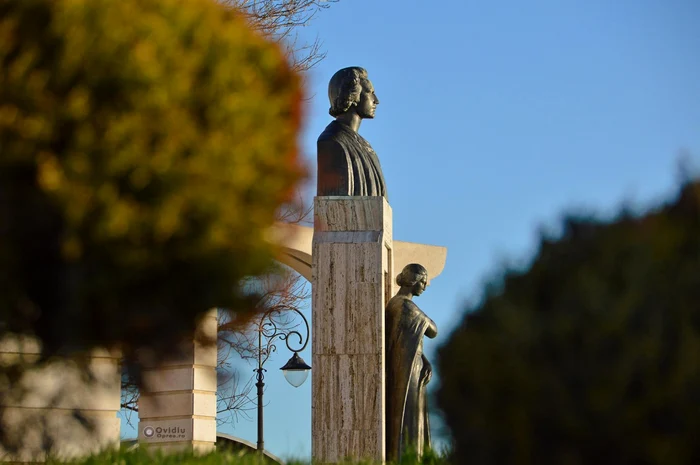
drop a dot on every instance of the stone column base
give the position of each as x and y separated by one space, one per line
352 257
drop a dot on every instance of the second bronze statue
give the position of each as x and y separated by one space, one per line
347 164
407 370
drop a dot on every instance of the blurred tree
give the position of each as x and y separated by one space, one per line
144 147
589 356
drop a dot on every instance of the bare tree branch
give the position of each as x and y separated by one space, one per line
278 294
280 20
130 398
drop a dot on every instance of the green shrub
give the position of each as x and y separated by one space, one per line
145 146
589 356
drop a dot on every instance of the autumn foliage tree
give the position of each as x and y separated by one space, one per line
591 355
144 147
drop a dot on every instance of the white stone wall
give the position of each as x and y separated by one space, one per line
66 408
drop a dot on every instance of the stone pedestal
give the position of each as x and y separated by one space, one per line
177 406
66 408
351 277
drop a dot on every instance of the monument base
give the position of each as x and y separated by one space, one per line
352 248
177 406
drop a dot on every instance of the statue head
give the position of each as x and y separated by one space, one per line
351 88
414 276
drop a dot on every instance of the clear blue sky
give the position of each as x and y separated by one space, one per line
494 118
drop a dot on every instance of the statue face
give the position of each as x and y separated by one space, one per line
420 286
368 100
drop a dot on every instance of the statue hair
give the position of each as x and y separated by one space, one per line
345 88
411 275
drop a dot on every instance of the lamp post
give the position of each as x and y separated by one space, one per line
295 370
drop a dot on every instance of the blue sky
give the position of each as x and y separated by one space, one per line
494 118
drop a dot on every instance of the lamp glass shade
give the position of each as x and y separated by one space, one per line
296 370
296 377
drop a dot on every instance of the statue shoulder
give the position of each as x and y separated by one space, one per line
410 307
396 301
333 132
331 140
329 146
400 304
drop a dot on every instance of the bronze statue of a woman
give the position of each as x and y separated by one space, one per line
408 371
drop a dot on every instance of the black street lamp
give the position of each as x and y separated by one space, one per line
295 370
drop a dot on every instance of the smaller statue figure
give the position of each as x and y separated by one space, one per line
408 371
347 164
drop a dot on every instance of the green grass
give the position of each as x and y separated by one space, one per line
143 457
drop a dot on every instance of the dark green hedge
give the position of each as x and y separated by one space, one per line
591 355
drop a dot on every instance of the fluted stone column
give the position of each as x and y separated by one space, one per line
177 406
351 277
65 408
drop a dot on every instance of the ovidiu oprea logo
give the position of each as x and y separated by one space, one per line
172 432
